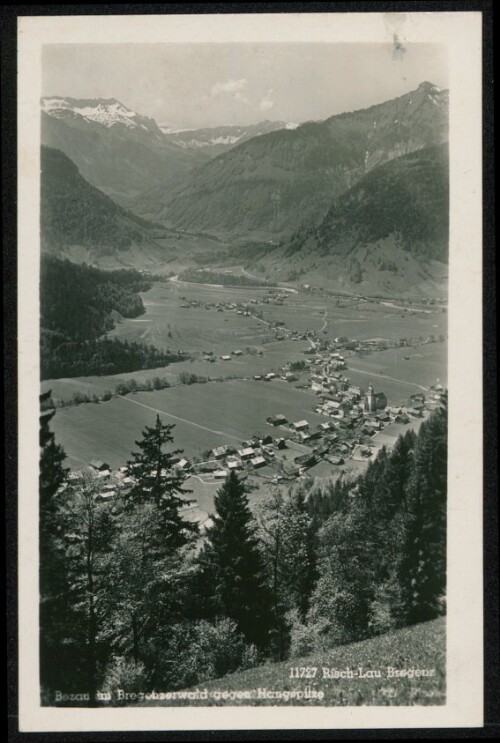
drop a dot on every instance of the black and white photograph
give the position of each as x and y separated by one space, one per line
246 250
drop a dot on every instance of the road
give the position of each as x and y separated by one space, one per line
384 376
183 420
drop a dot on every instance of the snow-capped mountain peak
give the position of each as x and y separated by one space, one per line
219 138
105 111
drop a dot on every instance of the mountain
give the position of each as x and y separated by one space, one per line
77 218
386 235
268 186
216 140
407 197
115 148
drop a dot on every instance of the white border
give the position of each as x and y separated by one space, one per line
461 32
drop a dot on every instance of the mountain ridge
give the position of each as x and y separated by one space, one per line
270 184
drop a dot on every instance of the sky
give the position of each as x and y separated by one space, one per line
203 85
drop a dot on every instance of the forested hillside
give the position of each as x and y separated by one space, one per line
406 198
75 213
77 303
138 602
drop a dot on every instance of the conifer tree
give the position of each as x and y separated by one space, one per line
422 570
157 482
232 565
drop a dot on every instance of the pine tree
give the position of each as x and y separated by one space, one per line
85 534
232 565
157 482
422 569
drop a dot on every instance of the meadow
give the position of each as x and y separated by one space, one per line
205 416
400 372
421 646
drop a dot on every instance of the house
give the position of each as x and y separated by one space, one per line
226 358
303 436
267 439
207 466
246 453
99 466
182 465
300 425
321 451
220 474
233 464
280 443
277 420
417 413
306 460
258 462
219 452
315 435
237 353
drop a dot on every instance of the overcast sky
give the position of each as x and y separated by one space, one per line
198 85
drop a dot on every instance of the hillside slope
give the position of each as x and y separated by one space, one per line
74 214
115 149
386 236
270 185
419 647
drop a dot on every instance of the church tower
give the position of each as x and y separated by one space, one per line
370 399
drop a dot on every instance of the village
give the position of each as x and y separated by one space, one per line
355 428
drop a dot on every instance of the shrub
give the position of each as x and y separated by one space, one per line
127 675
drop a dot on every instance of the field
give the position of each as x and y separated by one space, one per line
197 328
230 411
419 647
205 416
399 377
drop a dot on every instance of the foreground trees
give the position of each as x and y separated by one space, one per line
232 566
132 597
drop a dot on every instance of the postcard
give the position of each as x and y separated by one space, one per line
250 387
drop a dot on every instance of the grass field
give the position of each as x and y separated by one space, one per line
390 372
419 647
197 327
205 416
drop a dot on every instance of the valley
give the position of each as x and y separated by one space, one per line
243 375
294 266
235 337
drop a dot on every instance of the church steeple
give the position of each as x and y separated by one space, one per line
370 399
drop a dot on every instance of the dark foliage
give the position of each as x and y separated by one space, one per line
232 566
76 306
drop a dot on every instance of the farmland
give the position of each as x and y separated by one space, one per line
205 416
199 328
231 406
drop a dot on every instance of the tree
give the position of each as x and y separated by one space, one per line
232 566
85 534
288 537
422 569
157 482
53 609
